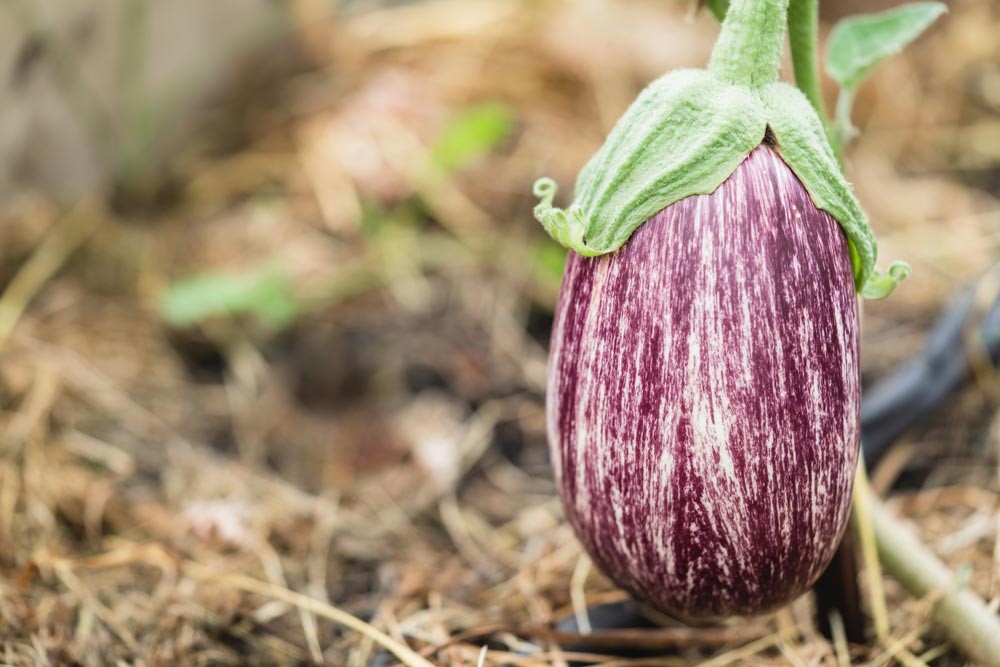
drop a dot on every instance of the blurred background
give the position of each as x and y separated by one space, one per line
273 303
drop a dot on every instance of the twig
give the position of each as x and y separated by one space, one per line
271 563
839 640
972 626
69 579
45 262
405 654
742 653
578 595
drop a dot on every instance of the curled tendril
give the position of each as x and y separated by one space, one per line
567 226
545 189
881 284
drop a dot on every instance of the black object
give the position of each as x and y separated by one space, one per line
626 615
902 398
837 589
611 616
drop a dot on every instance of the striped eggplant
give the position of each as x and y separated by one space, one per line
703 398
704 394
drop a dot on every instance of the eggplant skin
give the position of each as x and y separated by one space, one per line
704 394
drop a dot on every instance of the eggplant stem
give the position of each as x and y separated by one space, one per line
748 51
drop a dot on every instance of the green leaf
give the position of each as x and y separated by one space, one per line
470 135
858 43
262 293
718 8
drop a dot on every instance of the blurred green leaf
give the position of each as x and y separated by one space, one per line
718 8
550 261
263 293
470 135
858 43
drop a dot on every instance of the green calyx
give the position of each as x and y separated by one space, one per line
684 135
687 132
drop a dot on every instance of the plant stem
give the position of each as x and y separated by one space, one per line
803 41
970 624
844 129
861 516
748 51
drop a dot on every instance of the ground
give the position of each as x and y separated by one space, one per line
366 428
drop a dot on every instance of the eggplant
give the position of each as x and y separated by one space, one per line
704 391
704 396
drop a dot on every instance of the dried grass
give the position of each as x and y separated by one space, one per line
370 485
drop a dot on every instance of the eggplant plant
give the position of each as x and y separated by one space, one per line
704 386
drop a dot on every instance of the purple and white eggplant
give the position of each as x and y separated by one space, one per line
704 390
704 395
